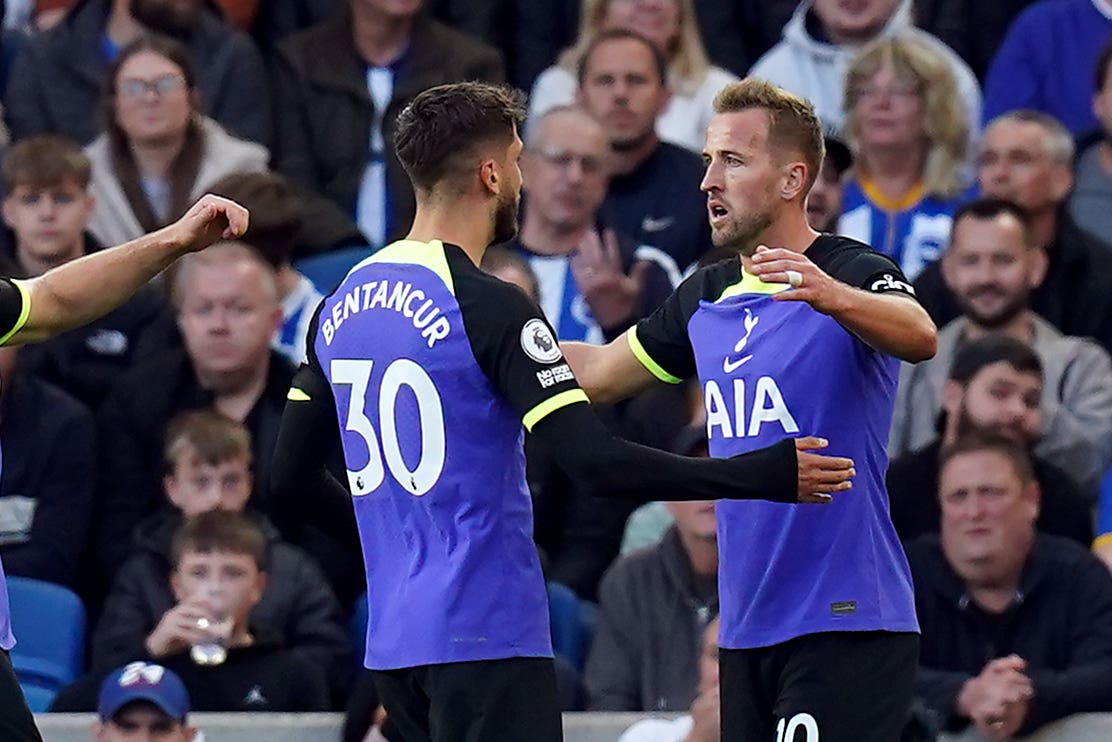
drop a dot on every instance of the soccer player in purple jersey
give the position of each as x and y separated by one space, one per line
430 369
72 295
818 637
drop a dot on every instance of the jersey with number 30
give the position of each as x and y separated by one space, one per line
434 366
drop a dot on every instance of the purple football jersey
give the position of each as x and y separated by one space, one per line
433 366
771 370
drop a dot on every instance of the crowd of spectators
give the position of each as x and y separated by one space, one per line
970 141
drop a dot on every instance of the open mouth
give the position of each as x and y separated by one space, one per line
717 211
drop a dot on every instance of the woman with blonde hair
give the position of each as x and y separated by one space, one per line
670 25
910 132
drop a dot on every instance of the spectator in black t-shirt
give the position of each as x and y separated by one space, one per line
219 562
208 461
654 186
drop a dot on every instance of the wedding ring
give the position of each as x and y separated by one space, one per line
795 278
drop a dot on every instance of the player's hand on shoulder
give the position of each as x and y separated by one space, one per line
210 220
820 476
809 282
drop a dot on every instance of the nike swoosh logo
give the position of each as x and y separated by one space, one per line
731 366
648 224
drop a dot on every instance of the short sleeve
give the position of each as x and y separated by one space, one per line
660 341
871 271
15 306
517 350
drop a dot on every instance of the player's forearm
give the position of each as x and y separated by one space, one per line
607 373
80 291
892 324
609 466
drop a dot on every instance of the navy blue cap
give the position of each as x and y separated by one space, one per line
143 681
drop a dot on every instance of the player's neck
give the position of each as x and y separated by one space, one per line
465 223
545 238
789 230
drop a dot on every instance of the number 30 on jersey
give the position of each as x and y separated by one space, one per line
356 373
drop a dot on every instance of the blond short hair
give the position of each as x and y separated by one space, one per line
793 125
945 120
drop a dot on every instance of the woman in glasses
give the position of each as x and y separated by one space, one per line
158 151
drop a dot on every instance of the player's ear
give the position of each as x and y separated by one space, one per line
794 181
490 176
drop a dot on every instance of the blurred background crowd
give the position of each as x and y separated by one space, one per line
971 141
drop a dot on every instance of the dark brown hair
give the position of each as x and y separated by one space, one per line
43 162
213 437
172 50
276 212
220 530
438 133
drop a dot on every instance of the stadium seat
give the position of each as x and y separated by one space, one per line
565 619
326 270
38 698
49 624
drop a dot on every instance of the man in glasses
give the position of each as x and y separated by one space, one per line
594 281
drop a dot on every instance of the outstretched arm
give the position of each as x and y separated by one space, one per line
83 290
609 466
608 373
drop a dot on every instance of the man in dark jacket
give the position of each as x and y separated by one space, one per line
208 461
994 387
57 80
654 605
48 440
339 88
1027 158
1016 627
227 310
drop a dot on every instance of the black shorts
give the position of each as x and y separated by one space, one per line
17 724
510 700
829 687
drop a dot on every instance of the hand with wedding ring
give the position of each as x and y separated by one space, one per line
809 282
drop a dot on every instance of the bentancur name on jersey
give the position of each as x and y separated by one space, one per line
400 297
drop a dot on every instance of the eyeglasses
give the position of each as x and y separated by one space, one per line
563 160
160 86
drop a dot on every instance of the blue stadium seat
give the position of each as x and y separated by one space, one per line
49 625
326 270
565 619
38 698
